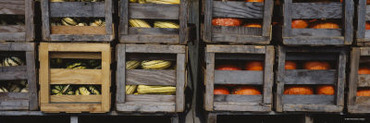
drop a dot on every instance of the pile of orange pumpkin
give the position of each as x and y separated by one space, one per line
310 65
308 90
316 24
363 92
252 65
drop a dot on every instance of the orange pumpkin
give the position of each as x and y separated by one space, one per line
227 67
226 22
246 90
364 70
256 25
325 90
316 65
368 2
254 66
221 90
298 90
289 65
299 24
367 26
254 0
326 25
363 92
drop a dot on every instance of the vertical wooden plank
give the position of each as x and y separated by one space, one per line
31 75
361 15
108 16
74 119
355 61
105 89
212 118
44 73
210 79
180 82
307 119
29 20
123 27
280 78
341 78
45 20
287 11
267 17
121 73
183 18
175 119
348 23
207 34
268 75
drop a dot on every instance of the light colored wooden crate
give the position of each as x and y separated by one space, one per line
75 103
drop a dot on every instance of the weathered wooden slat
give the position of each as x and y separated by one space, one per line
75 55
78 30
311 56
77 108
309 99
14 46
146 107
14 75
154 11
240 30
247 99
77 47
209 80
240 56
20 36
310 77
14 96
75 98
14 105
238 77
227 106
367 33
236 38
84 38
363 80
150 77
13 68
181 80
235 49
77 9
317 32
150 98
332 10
238 9
313 108
121 73
168 39
319 41
75 76
142 48
349 14
362 100
367 16
153 31
12 29
353 75
12 7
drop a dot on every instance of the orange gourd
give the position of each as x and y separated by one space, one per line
254 66
221 90
254 0
364 70
289 65
226 22
227 67
256 25
298 90
299 24
363 92
325 90
316 65
326 25
246 90
367 26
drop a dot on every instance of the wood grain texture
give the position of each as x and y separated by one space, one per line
314 41
238 77
209 80
153 31
78 30
148 107
317 32
16 46
353 76
75 98
14 75
268 75
142 48
75 55
154 11
224 106
363 80
75 76
348 20
77 9
247 99
181 80
12 7
151 77
238 9
77 108
237 30
235 49
151 98
309 99
120 74
332 10
310 77
240 39
312 108
29 20
12 29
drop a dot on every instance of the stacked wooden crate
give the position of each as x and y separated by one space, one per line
230 48
17 56
139 44
61 86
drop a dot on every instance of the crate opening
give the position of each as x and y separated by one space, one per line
311 61
151 61
12 59
154 23
237 26
317 23
247 62
13 86
75 60
150 90
363 91
307 89
237 89
76 25
8 20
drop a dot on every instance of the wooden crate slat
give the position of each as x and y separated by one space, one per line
14 96
153 31
77 108
367 34
236 38
76 47
13 68
305 57
310 77
75 55
238 9
237 30
19 74
247 99
309 99
235 49
77 9
153 11
14 105
367 16
313 108
75 76
238 77
12 36
12 7
362 100
150 107
78 30
170 39
306 40
363 80
317 32
75 98
142 48
332 10
150 98
151 77
225 106
12 29
83 38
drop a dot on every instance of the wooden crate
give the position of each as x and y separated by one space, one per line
55 76
19 101
77 9
254 103
18 32
151 103
334 76
363 15
314 10
178 12
358 104
237 34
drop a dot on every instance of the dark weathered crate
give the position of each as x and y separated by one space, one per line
18 32
363 15
310 36
56 76
254 103
77 9
358 104
178 12
237 9
334 76
151 103
20 101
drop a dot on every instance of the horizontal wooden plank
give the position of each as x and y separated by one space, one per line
237 30
13 68
79 30
317 32
12 29
314 41
77 9
14 105
151 77
236 49
364 51
168 39
317 10
75 55
367 16
19 36
247 99
75 76
153 31
248 57
363 80
12 7
227 106
77 108
150 98
154 11
367 33
364 109
14 96
311 56
146 107
309 99
238 77
240 39
145 48
238 9
18 73
75 98
312 108
310 77
82 37
77 47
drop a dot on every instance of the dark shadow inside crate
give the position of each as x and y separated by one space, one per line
6 20
239 93
13 86
78 26
75 60
75 93
247 27
9 59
